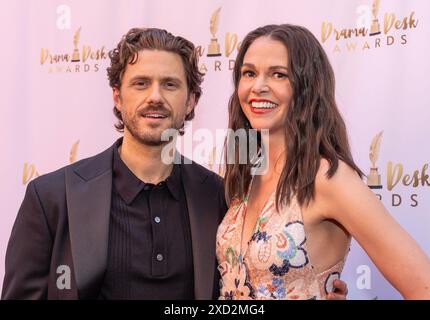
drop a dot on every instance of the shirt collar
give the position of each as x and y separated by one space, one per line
129 186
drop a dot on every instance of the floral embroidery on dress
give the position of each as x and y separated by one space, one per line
293 254
259 236
275 264
235 280
274 290
297 290
328 285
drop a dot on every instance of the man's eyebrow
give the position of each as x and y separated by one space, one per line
139 77
167 78
171 78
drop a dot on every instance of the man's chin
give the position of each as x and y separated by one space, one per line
153 136
153 143
153 139
149 141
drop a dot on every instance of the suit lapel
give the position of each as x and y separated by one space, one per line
88 194
203 214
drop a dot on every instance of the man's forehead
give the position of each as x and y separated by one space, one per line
157 53
159 61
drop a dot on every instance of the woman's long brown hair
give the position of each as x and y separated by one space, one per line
314 128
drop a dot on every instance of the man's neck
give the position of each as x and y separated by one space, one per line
144 160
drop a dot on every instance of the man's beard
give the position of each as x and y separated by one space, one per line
147 134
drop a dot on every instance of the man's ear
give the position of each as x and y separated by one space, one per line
116 95
191 103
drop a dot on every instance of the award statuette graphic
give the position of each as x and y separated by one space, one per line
29 173
75 55
74 152
213 49
373 178
212 161
374 28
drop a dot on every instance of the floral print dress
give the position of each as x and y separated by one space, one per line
275 264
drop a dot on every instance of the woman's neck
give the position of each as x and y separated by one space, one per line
274 148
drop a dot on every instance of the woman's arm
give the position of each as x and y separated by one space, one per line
346 199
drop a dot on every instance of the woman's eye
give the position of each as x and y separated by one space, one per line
280 75
247 73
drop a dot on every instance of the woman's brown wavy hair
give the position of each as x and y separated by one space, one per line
314 128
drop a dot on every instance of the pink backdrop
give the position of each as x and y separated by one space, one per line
382 85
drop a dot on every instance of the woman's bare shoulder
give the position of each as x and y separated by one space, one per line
343 177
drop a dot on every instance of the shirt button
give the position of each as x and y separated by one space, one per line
159 257
157 219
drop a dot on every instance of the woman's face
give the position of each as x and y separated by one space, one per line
264 88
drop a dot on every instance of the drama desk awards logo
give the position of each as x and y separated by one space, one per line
75 56
214 49
401 188
85 60
367 33
214 59
375 28
373 178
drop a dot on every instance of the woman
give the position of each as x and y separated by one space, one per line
287 232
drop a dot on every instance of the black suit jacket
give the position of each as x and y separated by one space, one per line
64 221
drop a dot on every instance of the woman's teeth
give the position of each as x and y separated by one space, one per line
263 105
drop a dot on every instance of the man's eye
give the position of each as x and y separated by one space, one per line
170 85
141 83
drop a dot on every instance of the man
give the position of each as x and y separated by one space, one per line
124 224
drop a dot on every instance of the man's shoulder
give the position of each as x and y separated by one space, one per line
199 171
213 184
55 180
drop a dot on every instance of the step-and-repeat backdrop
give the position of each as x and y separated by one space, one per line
56 104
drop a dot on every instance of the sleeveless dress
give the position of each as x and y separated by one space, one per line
275 264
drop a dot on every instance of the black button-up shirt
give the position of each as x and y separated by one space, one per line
150 251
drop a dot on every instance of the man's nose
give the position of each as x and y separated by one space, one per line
155 94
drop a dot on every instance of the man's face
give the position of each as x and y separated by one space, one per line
153 96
